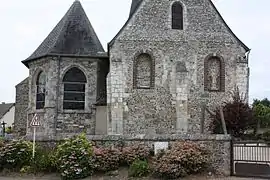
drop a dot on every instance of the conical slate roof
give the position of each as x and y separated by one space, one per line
73 35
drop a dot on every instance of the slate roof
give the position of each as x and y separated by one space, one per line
4 108
73 35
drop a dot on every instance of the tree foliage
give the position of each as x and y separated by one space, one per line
261 109
238 116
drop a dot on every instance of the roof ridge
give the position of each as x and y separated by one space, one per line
228 27
65 22
133 9
73 35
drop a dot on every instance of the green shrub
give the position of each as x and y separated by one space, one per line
74 158
106 159
15 155
9 130
26 169
138 168
43 161
134 152
266 136
182 159
2 142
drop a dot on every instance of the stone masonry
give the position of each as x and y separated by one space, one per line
151 86
153 80
53 117
174 104
21 105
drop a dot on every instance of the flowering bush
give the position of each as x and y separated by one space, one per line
74 158
16 154
106 159
182 159
132 153
138 168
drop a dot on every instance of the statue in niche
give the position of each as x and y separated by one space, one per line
214 76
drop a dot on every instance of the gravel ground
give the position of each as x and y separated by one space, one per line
121 174
56 177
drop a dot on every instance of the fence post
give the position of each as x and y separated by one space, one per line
232 156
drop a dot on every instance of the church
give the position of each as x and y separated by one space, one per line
169 59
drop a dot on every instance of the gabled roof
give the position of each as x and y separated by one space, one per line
23 82
136 4
73 35
4 108
240 42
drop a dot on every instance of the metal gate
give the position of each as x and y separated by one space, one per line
250 159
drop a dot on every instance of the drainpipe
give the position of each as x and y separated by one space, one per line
248 75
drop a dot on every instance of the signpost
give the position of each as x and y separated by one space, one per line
35 123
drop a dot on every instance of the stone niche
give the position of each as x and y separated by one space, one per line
214 74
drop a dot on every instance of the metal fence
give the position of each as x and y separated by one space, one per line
251 159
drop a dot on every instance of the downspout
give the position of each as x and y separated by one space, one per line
248 74
57 96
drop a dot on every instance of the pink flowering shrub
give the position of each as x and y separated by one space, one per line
74 158
135 152
15 154
182 159
106 159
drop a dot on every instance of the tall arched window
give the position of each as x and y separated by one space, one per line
177 16
143 72
74 89
214 75
40 90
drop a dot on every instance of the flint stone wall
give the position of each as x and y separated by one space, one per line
21 105
54 119
174 104
218 145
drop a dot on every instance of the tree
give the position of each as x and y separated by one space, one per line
261 110
238 116
264 102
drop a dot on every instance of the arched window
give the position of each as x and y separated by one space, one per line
177 16
214 75
74 89
40 90
143 72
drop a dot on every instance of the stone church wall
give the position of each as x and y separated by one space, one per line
55 120
21 105
175 103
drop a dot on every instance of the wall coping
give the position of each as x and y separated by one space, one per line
164 137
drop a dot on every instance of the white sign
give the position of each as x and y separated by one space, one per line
160 146
35 121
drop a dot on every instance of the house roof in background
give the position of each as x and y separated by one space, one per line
4 108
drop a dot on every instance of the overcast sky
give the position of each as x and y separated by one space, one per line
25 24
